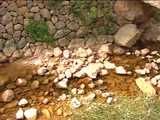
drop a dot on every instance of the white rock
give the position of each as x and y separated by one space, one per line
137 52
103 72
42 70
7 95
74 91
68 73
62 84
99 82
142 71
90 59
89 52
75 103
21 82
145 86
91 85
88 99
82 86
19 114
120 70
62 97
31 114
80 91
109 100
57 52
22 102
61 76
106 94
145 51
81 52
45 101
93 69
66 54
109 65
155 80
158 60
104 49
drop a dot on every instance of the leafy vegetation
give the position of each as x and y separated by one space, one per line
96 14
141 108
38 30
54 3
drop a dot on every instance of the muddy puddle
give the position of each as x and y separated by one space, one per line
118 84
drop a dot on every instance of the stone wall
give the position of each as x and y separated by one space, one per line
67 29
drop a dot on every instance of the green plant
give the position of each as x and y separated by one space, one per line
38 30
54 3
95 14
141 108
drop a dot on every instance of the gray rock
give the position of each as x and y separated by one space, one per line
18 27
63 42
61 33
21 44
37 17
75 43
45 13
54 19
7 18
9 48
118 50
75 103
3 11
9 28
51 27
102 39
127 35
2 28
60 25
2 42
17 35
35 9
63 83
7 95
73 26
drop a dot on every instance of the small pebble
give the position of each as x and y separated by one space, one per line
75 103
109 100
22 102
31 114
21 82
20 114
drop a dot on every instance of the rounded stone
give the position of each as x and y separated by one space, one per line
8 95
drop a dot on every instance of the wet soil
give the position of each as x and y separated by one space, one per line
118 84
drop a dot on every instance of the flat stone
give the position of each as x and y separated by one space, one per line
31 114
45 13
145 87
127 35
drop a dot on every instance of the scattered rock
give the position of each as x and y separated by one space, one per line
20 114
62 84
45 13
42 70
22 102
66 54
145 51
57 52
21 82
7 95
81 52
88 99
109 65
31 114
120 70
35 84
127 35
75 103
145 86
109 100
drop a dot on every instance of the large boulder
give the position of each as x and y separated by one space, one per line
127 35
132 11
154 3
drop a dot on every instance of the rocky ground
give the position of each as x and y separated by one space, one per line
59 81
